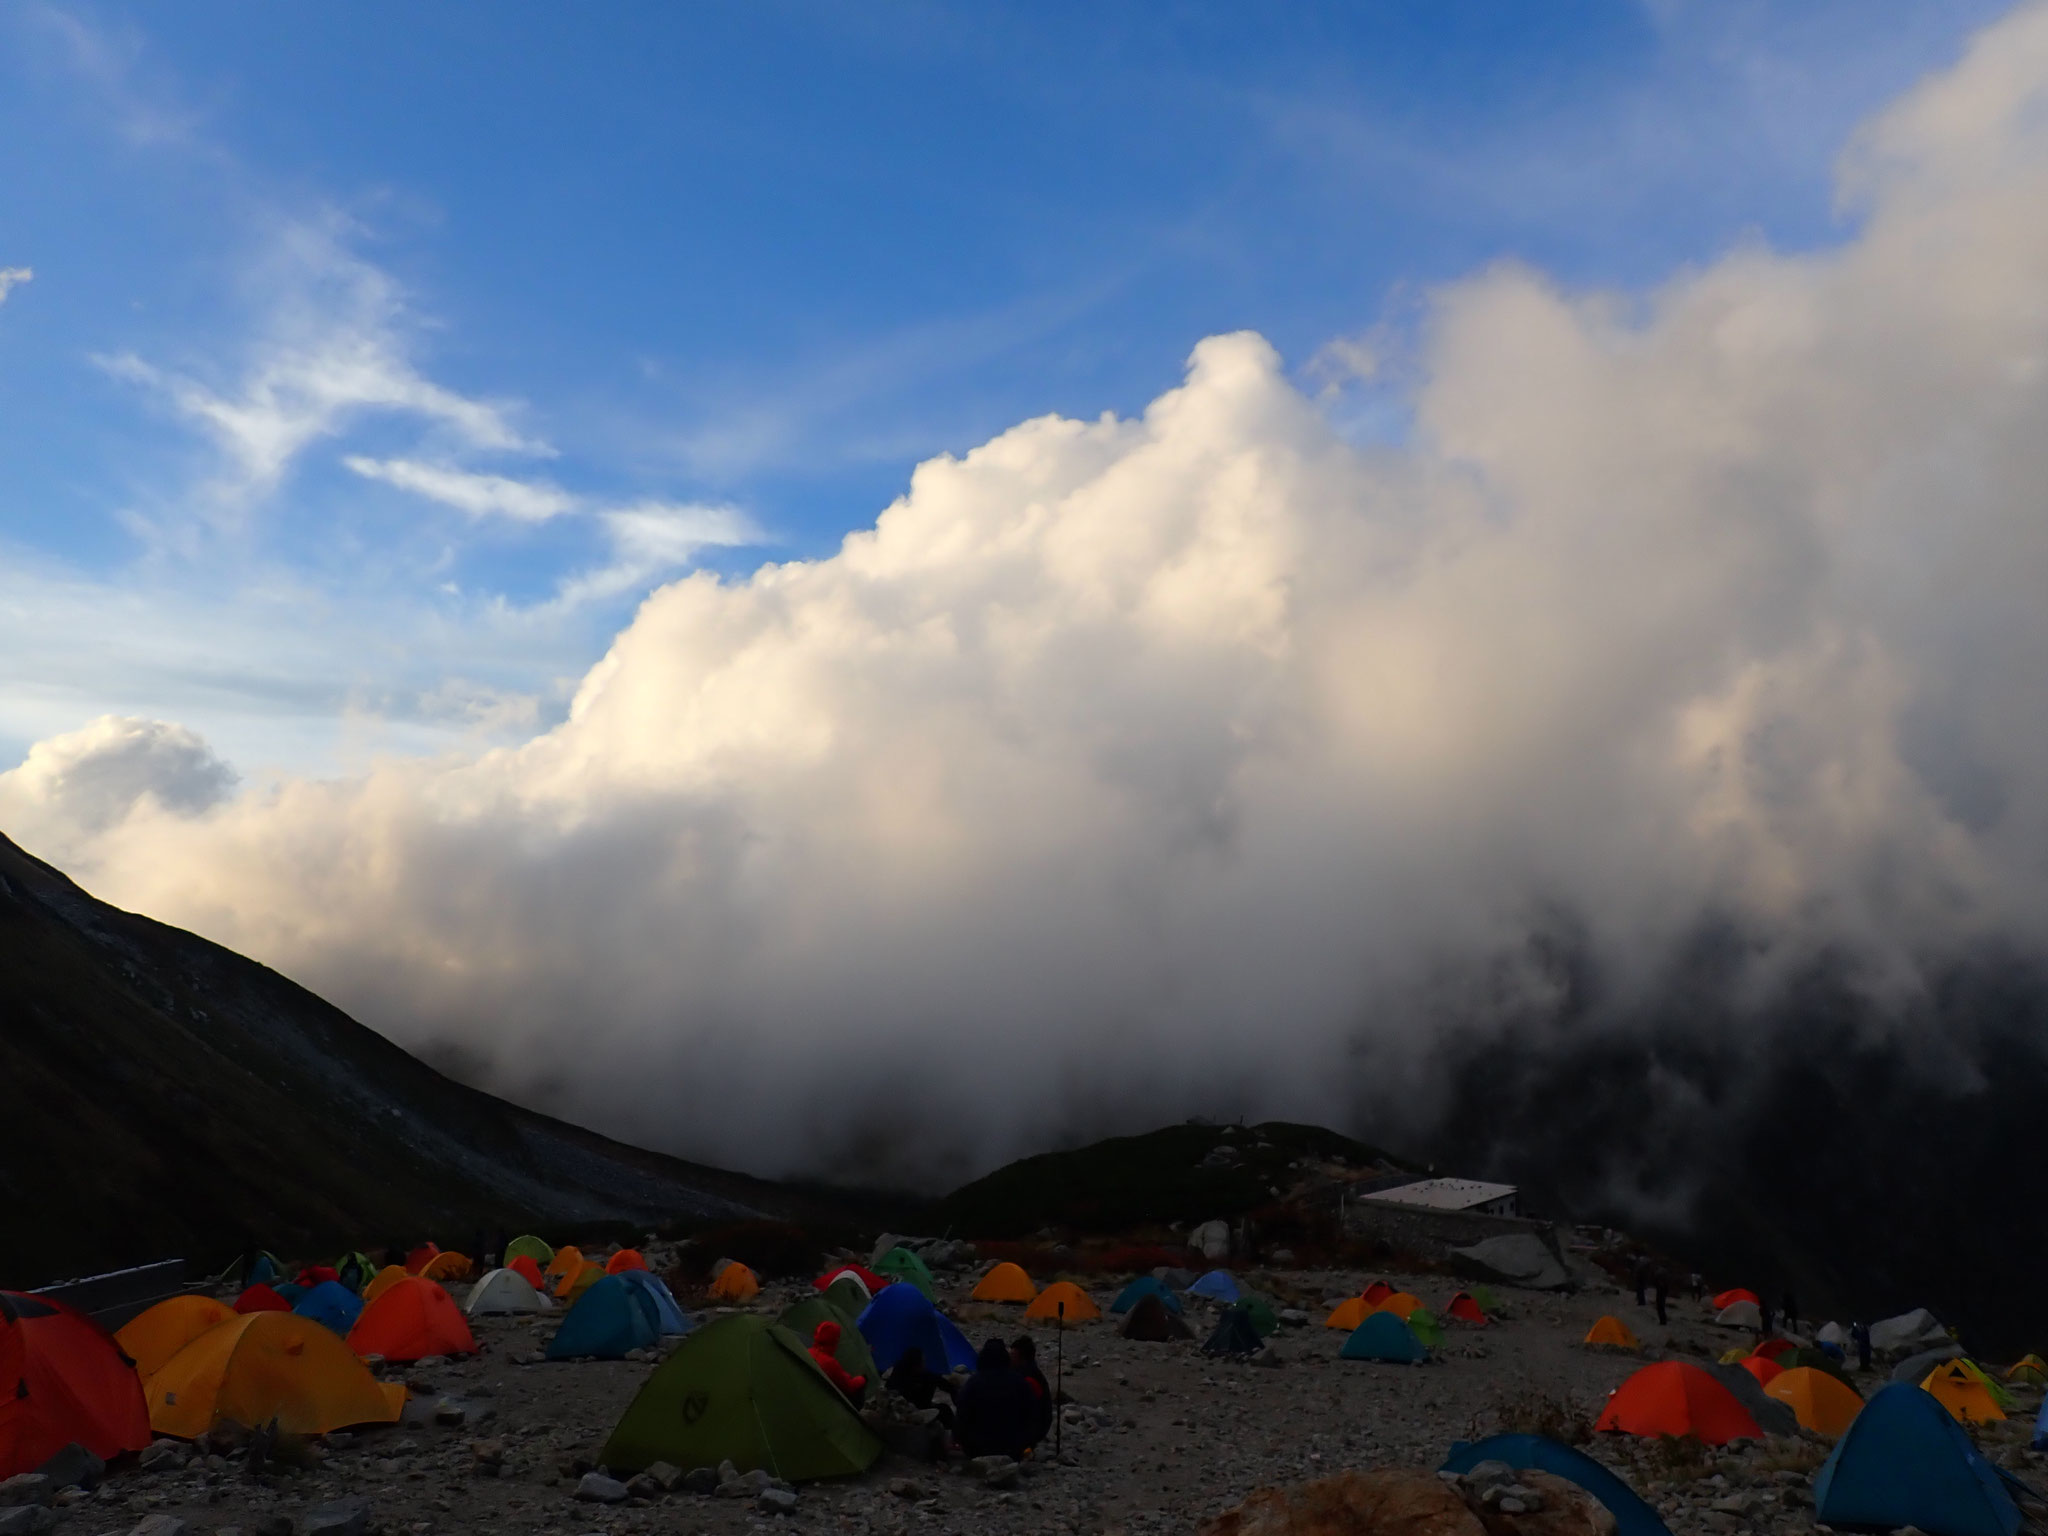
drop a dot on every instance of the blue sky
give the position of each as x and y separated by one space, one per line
378 358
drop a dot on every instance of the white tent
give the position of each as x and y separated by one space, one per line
505 1290
1740 1314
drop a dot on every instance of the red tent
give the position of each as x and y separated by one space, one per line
860 1272
316 1274
524 1267
625 1259
261 1298
1770 1349
1763 1368
63 1378
1729 1298
413 1319
421 1257
1673 1398
1466 1310
1377 1292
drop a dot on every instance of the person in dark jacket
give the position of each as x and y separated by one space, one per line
1024 1360
1791 1310
996 1406
1860 1337
824 1350
919 1387
1662 1293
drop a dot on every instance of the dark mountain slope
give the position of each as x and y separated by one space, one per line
163 1096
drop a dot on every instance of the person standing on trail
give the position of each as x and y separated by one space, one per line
1860 1337
1763 1312
1663 1290
1642 1283
1791 1312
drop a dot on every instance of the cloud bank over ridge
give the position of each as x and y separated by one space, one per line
1133 767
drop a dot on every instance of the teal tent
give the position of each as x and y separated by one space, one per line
1138 1290
608 1319
1904 1461
1383 1336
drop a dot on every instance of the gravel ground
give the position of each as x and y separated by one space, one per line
1159 1436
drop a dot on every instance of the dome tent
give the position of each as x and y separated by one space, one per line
264 1366
903 1317
502 1292
63 1378
1903 1462
612 1317
151 1337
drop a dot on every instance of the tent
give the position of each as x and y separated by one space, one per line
1400 1303
735 1283
1632 1517
870 1282
570 1288
567 1260
624 1259
416 1318
261 1298
1347 1314
1138 1290
1819 1360
1151 1322
1739 1314
902 1317
1762 1367
2000 1393
1610 1332
1911 1369
268 1365
524 1266
1907 1333
1234 1335
1423 1324
502 1291
803 1318
2029 1370
1006 1282
1734 1356
62 1378
1217 1285
1080 1306
1823 1403
1771 1348
1771 1416
333 1304
1376 1293
669 1318
744 1390
1962 1394
1384 1336
529 1247
612 1317
1832 1333
1729 1298
265 1269
420 1257
849 1296
899 1263
2040 1440
1674 1398
1489 1302
444 1267
318 1274
152 1337
1464 1308
1906 1462
355 1270
382 1281
292 1294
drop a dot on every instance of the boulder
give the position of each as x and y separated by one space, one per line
158 1525
74 1467
596 1488
1212 1240
1351 1504
1536 1503
777 1501
343 1517
27 1488
27 1520
1907 1334
1515 1258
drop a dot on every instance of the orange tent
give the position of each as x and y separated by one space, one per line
1400 1303
1348 1314
524 1267
1674 1398
1612 1333
735 1282
1823 1404
566 1261
152 1337
264 1366
1080 1305
1377 1292
1963 1395
1728 1299
412 1320
1763 1368
574 1284
1466 1310
421 1257
447 1266
382 1281
62 1378
624 1259
1006 1282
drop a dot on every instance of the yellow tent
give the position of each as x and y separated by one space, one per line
1821 1403
735 1282
1736 1355
1610 1332
1080 1305
152 1337
447 1266
2032 1370
382 1281
1006 1282
1401 1303
1962 1394
1348 1314
566 1261
587 1274
264 1366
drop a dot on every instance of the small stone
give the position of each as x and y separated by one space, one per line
596 1488
701 1479
666 1477
27 1488
996 1471
907 1488
273 1525
26 1520
450 1412
1507 1504
777 1501
158 1525
74 1467
342 1517
641 1486
163 1455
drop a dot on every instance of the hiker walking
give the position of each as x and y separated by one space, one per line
1642 1283
1663 1289
1763 1312
1791 1312
1860 1337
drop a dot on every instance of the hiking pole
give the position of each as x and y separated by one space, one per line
1059 1376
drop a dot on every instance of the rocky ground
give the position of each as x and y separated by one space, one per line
1157 1438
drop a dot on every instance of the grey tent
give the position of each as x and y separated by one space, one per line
1772 1416
1236 1334
1149 1320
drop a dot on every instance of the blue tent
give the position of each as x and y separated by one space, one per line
1139 1289
265 1269
332 1303
1632 1517
1904 1461
1383 1336
1217 1285
668 1317
902 1317
293 1294
2040 1441
607 1320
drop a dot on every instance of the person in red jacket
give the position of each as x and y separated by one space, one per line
824 1343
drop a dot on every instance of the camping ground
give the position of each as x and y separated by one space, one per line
1158 1437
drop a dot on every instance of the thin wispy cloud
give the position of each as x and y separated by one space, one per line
651 540
12 278
480 495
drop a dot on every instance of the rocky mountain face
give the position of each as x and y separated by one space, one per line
161 1096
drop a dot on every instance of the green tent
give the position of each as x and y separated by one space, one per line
902 1264
803 1319
743 1388
530 1247
1819 1360
849 1296
1423 1324
1488 1299
1261 1312
355 1270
